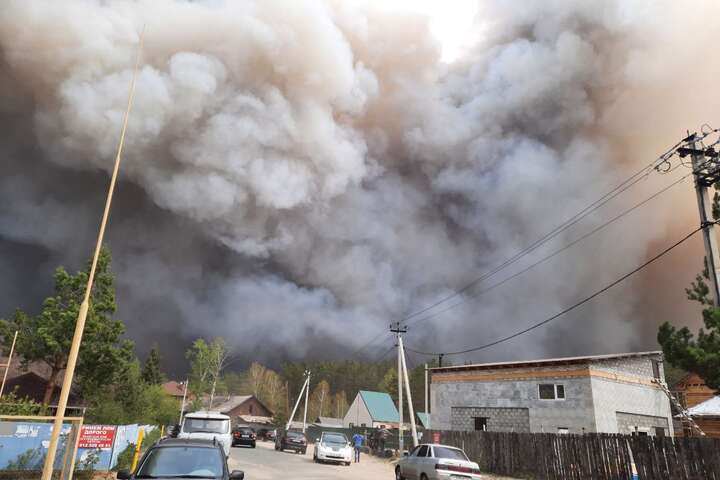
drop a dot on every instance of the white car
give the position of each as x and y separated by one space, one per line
207 425
333 447
436 462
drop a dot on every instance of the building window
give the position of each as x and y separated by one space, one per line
656 369
659 432
362 425
351 425
550 391
481 424
563 430
250 409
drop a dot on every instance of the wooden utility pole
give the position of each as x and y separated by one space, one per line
85 305
7 365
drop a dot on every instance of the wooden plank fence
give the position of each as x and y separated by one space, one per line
591 456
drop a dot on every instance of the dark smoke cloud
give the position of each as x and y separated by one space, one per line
299 174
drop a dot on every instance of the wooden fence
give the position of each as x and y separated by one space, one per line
590 456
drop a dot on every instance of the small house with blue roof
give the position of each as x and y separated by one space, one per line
372 410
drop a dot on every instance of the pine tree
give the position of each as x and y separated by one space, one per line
151 373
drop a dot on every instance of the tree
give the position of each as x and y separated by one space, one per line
700 355
47 337
151 373
319 400
130 400
389 384
207 362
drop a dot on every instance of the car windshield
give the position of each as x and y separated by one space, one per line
182 462
205 425
296 435
334 438
451 453
245 430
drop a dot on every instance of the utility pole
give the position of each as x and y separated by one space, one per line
411 411
706 171
297 403
307 396
85 304
427 409
398 331
9 362
182 407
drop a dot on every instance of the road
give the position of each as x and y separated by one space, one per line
264 463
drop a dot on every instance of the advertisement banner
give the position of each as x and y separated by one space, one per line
97 436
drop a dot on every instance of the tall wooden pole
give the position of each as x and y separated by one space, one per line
85 305
9 362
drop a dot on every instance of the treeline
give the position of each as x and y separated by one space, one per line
333 386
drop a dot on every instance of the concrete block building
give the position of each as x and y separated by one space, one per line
604 394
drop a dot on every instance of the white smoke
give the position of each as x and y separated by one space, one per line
353 175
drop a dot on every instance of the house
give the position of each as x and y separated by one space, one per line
175 389
691 390
372 410
245 410
603 393
707 416
329 422
423 419
31 385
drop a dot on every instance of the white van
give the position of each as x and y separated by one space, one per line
207 425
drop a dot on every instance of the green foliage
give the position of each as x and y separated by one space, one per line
124 460
11 404
207 361
131 400
47 337
699 354
151 373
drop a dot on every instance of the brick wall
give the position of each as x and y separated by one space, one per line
499 419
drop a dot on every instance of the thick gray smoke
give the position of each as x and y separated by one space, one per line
298 174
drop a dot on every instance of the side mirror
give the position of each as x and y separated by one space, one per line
124 474
317 439
237 475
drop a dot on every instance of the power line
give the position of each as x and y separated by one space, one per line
574 306
553 254
619 189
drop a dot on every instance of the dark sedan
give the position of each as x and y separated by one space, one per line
243 436
183 458
291 440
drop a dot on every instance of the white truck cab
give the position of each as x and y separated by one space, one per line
207 425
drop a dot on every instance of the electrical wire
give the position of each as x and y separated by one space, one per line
569 309
553 254
619 189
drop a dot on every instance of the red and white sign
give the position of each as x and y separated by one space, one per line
97 436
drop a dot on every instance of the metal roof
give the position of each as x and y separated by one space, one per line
232 402
380 406
546 362
708 408
424 419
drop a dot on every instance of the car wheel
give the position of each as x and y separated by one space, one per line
347 464
423 477
252 445
398 475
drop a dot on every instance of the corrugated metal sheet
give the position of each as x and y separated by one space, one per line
380 406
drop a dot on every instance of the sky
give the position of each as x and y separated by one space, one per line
298 175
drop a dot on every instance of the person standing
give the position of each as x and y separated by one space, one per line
357 443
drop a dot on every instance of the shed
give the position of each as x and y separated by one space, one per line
238 406
707 416
372 409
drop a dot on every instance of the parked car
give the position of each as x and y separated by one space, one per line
183 458
291 440
436 462
270 435
332 447
204 425
243 436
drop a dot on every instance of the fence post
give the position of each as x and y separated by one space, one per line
136 456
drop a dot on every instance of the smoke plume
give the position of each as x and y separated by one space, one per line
298 174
